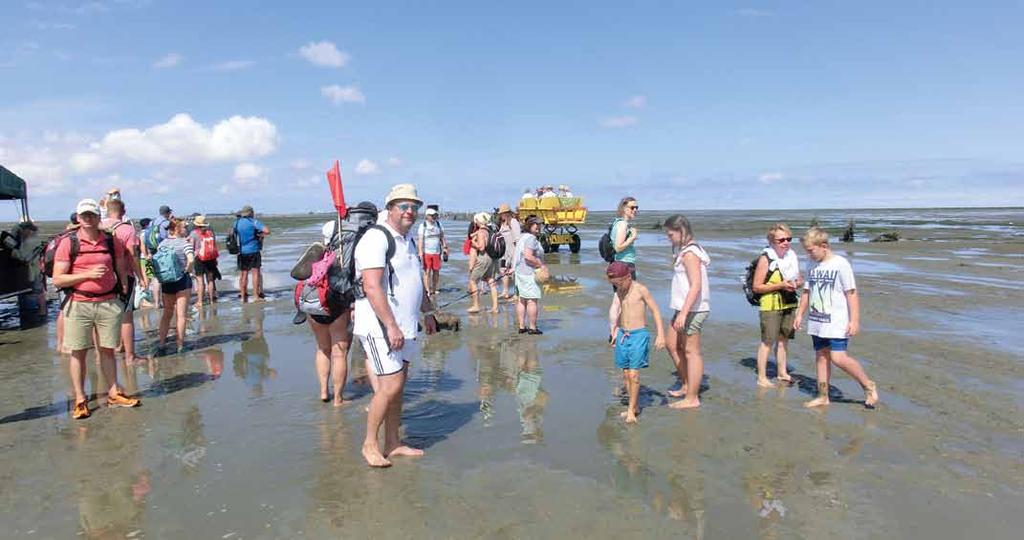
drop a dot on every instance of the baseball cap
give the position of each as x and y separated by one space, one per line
165 209
618 269
431 212
86 206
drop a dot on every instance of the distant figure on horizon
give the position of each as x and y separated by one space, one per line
830 296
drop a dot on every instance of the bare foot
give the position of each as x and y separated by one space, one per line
765 383
374 458
403 450
630 418
685 404
677 393
817 402
494 309
871 395
784 378
338 402
473 310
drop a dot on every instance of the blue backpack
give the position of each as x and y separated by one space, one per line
167 267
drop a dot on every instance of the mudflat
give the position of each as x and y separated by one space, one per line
523 434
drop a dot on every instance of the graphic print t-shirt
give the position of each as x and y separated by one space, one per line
827 283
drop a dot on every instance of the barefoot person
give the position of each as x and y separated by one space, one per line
830 297
175 292
333 340
432 244
482 267
690 302
386 318
776 278
631 339
124 231
525 264
93 275
204 243
511 230
250 260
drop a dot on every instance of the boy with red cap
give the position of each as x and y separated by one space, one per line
630 337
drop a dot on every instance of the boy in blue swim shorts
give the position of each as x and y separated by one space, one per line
629 336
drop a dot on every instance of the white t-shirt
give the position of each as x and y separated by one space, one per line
407 295
681 282
829 312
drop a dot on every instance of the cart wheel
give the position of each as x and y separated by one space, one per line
544 243
554 248
574 246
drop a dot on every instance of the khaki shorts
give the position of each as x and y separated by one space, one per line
777 325
80 318
694 321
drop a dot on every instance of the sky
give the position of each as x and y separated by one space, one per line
207 106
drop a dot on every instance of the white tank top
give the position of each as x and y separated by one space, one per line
681 283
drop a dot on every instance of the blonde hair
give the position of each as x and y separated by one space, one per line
622 204
482 219
815 236
778 227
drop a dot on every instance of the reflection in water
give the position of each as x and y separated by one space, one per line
679 496
532 398
250 363
108 479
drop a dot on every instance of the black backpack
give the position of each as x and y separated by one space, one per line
232 240
753 298
605 245
495 243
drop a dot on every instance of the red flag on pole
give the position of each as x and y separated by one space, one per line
337 193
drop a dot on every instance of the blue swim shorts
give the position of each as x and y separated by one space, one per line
836 344
631 350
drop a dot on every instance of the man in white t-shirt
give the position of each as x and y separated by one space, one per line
831 294
387 318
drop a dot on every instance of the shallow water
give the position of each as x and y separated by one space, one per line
522 434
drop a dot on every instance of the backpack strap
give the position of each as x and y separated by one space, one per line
73 251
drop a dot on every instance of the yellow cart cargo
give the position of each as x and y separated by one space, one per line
561 217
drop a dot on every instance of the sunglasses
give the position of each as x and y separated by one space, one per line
405 207
781 240
634 207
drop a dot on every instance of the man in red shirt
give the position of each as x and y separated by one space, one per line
94 277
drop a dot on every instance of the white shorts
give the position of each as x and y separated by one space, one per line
385 362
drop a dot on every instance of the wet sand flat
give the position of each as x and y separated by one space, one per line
523 434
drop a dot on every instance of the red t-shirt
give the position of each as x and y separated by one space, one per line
125 232
91 254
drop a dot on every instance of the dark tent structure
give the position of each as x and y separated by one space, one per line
13 273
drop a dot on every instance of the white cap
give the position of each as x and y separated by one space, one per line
86 206
431 212
328 231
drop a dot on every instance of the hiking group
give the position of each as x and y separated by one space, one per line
375 274
104 269
773 283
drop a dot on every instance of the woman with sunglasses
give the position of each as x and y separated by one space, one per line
624 234
777 279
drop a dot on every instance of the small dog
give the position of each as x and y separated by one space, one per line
441 320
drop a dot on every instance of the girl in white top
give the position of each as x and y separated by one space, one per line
690 300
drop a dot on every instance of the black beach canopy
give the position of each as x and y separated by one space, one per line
11 186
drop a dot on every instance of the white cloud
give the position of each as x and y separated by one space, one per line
324 53
367 167
770 178
636 102
342 94
247 174
233 65
394 162
300 164
169 61
180 141
309 181
616 122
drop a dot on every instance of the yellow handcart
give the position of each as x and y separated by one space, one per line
561 215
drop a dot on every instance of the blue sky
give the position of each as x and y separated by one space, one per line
208 106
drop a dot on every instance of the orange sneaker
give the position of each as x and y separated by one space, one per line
121 400
80 410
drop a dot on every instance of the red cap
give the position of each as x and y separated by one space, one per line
618 269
